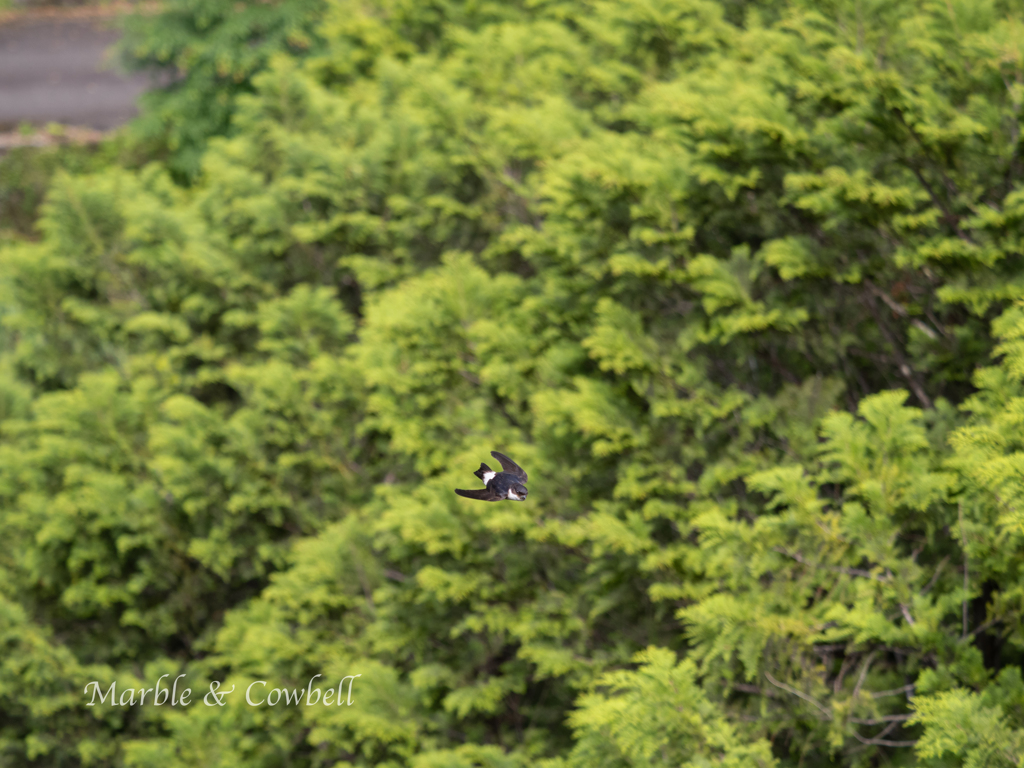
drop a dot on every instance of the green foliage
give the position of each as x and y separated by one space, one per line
40 682
26 173
206 53
959 722
659 716
647 249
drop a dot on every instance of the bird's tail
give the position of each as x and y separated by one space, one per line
480 472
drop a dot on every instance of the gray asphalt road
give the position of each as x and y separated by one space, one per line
54 69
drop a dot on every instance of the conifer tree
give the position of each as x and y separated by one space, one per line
739 284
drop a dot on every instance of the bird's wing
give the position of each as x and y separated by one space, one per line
510 466
482 495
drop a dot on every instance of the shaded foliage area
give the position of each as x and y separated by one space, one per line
209 51
738 285
26 173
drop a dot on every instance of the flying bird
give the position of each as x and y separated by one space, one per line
507 484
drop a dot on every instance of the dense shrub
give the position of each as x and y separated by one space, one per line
738 284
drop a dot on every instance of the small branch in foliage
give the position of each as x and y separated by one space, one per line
833 646
951 218
900 310
747 688
863 673
877 740
936 323
837 568
901 362
978 630
848 662
801 694
883 742
935 576
963 538
894 691
881 720
365 584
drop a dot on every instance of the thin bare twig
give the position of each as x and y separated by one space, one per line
906 614
936 323
801 694
935 576
829 648
747 688
848 662
982 627
837 568
902 365
863 673
894 305
900 310
963 538
881 720
885 731
883 742
951 217
365 584
894 691
923 327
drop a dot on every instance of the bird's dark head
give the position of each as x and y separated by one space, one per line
518 492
